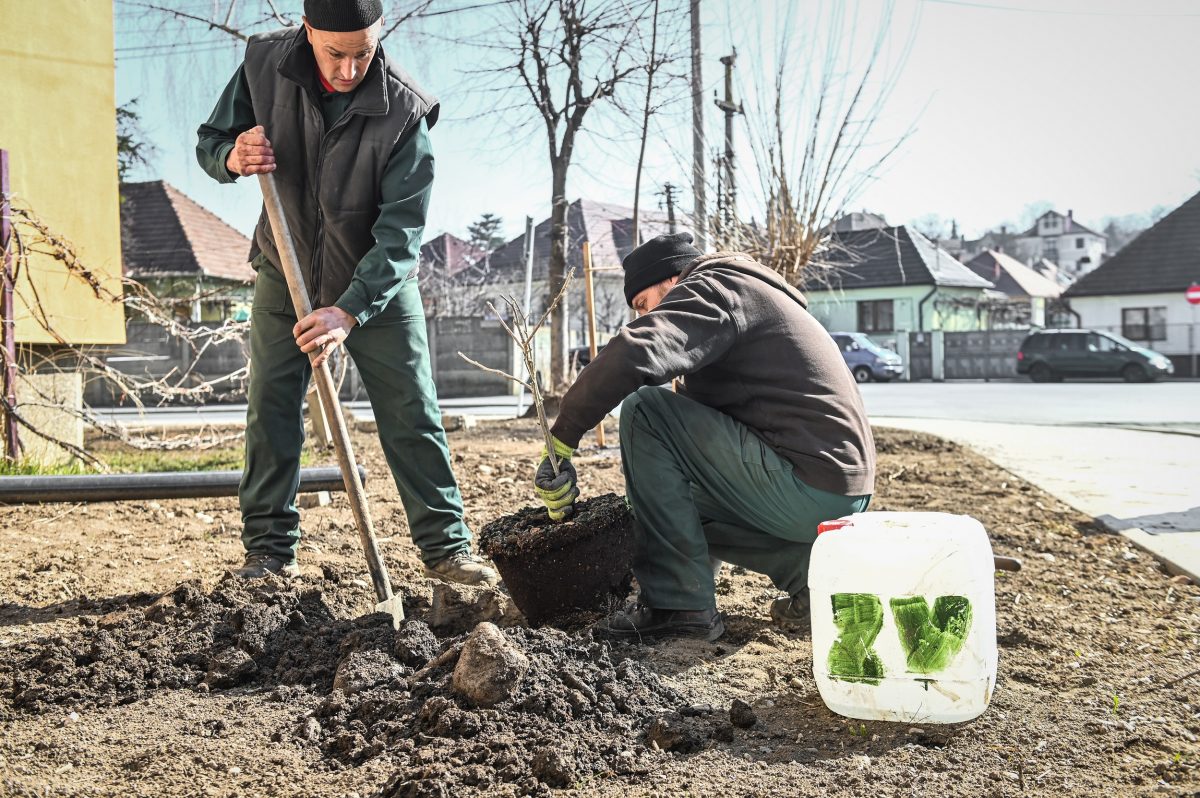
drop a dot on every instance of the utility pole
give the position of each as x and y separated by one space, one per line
728 197
699 200
668 195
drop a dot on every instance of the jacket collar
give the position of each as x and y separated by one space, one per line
371 96
741 262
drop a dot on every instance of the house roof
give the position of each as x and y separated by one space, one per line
858 220
1164 258
609 229
1072 227
450 254
1012 277
164 233
891 256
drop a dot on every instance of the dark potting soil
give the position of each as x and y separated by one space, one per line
530 532
365 690
554 568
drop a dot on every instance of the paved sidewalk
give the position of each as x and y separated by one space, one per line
1144 485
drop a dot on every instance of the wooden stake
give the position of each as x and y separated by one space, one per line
591 314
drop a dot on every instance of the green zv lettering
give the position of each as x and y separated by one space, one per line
858 618
931 639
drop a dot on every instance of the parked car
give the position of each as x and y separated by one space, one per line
866 359
1051 355
582 355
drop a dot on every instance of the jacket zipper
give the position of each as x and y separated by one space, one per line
319 243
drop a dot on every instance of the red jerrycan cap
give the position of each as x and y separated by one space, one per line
829 526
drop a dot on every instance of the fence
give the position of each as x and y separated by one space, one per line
152 353
992 354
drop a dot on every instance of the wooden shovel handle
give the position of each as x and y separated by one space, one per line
325 388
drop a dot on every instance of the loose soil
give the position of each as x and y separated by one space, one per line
132 666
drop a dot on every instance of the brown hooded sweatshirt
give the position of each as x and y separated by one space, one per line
745 344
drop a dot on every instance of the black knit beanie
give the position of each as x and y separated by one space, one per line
342 16
656 260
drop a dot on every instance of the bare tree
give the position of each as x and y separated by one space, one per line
568 56
523 330
811 140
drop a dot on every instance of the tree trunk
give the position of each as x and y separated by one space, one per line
559 320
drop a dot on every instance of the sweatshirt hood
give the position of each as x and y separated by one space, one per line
744 264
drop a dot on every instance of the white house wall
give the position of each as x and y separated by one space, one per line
1183 320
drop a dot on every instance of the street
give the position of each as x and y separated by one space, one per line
1019 402
1175 404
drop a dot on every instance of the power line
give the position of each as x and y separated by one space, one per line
1059 12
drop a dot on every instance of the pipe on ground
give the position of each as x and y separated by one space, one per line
156 485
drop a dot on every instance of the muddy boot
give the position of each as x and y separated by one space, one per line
791 612
259 565
639 622
464 568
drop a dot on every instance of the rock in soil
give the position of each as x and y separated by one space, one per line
459 608
490 668
742 714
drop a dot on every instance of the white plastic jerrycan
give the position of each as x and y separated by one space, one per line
904 617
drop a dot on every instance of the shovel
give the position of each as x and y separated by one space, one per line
388 602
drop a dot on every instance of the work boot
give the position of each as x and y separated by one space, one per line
259 565
639 622
464 568
792 612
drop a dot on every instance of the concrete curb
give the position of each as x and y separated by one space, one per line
1179 552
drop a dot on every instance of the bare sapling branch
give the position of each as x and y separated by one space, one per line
520 330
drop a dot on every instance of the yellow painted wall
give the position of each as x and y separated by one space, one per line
58 123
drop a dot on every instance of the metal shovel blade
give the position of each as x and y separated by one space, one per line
393 607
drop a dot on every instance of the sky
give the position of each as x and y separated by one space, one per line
992 106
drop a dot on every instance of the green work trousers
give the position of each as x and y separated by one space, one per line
392 357
703 485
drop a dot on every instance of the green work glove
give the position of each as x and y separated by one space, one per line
558 493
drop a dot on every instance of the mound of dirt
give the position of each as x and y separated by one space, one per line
573 708
261 632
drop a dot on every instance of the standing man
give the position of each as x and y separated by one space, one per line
766 438
346 132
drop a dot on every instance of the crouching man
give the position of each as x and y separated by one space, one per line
766 438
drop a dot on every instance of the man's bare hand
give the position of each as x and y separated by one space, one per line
251 153
324 330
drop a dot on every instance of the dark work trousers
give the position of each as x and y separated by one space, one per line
392 357
703 485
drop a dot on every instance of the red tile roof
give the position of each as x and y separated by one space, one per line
164 233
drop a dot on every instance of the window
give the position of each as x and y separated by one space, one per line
1102 343
1144 324
875 316
1071 342
1079 243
